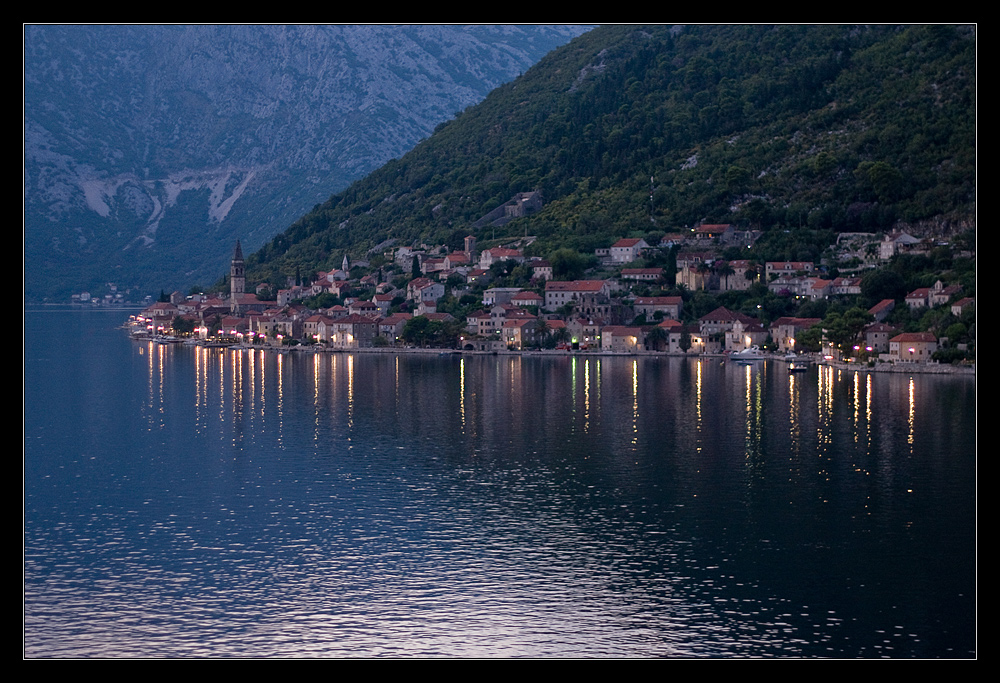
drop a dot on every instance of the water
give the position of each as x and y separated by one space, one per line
184 502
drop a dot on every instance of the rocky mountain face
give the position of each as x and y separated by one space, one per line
149 150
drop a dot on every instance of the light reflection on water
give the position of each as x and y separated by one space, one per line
201 502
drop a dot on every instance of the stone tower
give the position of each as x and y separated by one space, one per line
237 274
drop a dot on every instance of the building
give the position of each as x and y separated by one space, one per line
667 306
714 327
912 347
627 250
642 274
541 269
882 309
622 339
350 332
725 232
785 330
877 337
241 303
524 299
745 334
423 289
499 295
775 268
561 293
497 254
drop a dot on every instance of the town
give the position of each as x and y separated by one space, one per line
613 301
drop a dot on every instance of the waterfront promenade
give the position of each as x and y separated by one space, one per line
878 366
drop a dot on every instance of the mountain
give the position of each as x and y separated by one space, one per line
148 150
630 130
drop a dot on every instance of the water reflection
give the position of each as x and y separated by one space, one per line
366 504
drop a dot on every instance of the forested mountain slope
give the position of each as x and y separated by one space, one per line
629 129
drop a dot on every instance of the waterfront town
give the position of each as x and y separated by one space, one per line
408 298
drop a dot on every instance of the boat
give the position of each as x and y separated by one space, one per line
798 366
747 356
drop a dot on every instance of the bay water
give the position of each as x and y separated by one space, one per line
189 502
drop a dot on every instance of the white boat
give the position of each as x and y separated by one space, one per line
748 355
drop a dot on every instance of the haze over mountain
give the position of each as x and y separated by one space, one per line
632 130
149 149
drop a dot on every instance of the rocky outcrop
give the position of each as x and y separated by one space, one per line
142 140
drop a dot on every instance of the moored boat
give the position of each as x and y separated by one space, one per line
747 355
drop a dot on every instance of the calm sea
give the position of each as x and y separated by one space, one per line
183 502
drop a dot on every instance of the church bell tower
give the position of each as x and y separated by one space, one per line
237 277
237 273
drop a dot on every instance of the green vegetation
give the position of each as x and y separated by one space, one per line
801 128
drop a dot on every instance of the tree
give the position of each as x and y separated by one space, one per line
886 180
656 338
844 330
567 264
810 340
415 331
724 271
182 325
737 178
541 331
880 284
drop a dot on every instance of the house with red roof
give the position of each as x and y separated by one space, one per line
877 337
350 332
627 250
622 339
882 309
845 285
918 298
745 334
961 305
559 293
642 274
668 306
714 326
737 280
392 326
912 347
518 333
723 231
490 256
674 330
941 294
423 289
524 299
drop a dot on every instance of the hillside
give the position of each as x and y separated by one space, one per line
148 150
629 130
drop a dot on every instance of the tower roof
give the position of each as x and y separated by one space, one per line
238 252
